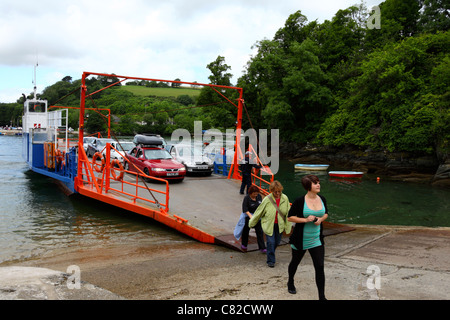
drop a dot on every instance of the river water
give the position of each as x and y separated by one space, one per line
37 217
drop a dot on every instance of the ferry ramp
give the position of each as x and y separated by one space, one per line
200 205
204 208
214 204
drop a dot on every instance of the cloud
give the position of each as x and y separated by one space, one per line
162 39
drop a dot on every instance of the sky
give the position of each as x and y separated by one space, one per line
144 38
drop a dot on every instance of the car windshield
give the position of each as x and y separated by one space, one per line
187 151
155 154
125 146
103 143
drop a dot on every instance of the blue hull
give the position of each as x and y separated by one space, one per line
64 174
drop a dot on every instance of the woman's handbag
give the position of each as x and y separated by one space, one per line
240 226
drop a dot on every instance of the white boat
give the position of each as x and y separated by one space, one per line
312 167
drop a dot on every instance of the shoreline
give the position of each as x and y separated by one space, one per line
413 262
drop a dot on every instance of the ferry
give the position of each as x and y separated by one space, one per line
204 209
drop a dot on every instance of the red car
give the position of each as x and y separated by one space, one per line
154 161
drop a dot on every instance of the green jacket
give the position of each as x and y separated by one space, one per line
266 212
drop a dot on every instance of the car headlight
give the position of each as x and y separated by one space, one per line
158 169
182 169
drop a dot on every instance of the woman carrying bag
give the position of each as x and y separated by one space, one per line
273 212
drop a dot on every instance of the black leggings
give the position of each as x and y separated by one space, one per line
318 257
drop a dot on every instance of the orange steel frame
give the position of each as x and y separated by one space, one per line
88 184
233 173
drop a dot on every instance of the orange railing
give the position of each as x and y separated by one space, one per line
257 180
100 176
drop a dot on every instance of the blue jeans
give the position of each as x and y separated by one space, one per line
272 243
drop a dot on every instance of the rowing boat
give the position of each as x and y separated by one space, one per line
312 167
346 174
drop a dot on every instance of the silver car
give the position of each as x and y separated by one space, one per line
97 145
192 157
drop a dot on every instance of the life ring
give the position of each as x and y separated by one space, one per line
50 155
113 170
96 166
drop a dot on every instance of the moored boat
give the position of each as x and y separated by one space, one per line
312 167
346 174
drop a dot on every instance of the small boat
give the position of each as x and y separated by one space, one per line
312 167
346 174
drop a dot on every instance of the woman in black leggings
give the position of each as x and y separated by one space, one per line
308 212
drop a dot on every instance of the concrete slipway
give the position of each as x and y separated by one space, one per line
413 263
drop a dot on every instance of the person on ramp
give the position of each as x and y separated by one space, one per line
308 212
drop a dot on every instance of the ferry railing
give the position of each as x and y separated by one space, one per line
86 170
140 176
257 180
99 176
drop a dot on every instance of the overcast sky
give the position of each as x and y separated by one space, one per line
145 38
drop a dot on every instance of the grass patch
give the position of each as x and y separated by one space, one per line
161 92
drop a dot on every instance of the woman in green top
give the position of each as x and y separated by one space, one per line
308 212
273 212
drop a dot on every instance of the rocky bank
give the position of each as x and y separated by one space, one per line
398 165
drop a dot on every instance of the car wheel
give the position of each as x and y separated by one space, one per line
147 173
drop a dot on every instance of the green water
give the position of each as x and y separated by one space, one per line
364 201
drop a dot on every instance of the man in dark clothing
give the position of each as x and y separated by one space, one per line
246 171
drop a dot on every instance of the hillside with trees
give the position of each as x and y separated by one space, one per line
339 83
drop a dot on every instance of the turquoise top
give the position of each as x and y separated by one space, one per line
311 232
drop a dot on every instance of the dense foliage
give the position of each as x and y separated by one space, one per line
340 83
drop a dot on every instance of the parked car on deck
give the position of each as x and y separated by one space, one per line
86 141
192 157
97 145
152 159
122 146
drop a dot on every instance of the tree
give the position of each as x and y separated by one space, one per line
397 103
176 85
219 72
67 79
290 87
222 115
109 80
294 30
435 16
95 122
